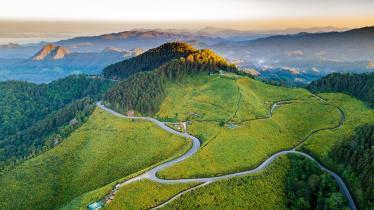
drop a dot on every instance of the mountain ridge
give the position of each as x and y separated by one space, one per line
50 52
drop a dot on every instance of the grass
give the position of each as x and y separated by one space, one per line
356 113
151 194
101 151
265 190
320 145
226 150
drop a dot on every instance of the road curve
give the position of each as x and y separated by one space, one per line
152 173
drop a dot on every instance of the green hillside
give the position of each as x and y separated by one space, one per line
30 113
104 149
148 61
144 92
269 189
239 121
357 85
230 114
322 145
222 112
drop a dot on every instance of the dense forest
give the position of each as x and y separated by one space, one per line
30 112
148 61
144 92
308 187
360 86
355 156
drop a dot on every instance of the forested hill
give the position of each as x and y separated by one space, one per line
355 159
30 112
360 86
144 92
148 61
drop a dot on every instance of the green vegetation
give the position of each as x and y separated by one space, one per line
144 92
290 182
148 61
241 142
308 187
45 133
101 151
265 190
151 194
322 144
30 112
355 158
358 85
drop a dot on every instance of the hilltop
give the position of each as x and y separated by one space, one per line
51 52
148 61
145 90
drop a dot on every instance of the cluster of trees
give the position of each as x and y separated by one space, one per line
308 187
29 113
355 156
358 85
144 91
148 61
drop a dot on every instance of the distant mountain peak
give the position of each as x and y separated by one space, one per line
51 52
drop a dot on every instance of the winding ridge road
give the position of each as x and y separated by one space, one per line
152 173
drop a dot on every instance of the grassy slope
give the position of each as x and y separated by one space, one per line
357 113
103 150
264 190
226 150
151 194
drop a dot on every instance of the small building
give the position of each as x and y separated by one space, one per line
130 113
95 206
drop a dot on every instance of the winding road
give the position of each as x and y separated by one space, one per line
152 173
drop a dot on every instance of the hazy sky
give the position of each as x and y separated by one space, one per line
174 10
27 21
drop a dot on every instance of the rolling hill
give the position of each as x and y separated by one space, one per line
253 145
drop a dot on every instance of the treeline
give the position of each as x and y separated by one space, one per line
357 85
148 61
355 158
308 187
45 133
144 92
30 112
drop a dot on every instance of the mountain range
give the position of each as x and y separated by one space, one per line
311 55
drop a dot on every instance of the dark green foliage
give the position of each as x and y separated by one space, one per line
142 92
357 85
148 61
57 126
355 156
307 187
145 91
30 112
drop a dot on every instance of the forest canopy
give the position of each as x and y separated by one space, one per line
30 112
360 86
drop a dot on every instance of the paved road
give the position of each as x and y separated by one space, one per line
152 173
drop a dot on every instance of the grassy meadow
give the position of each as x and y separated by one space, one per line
226 149
268 189
103 150
265 190
320 145
150 193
